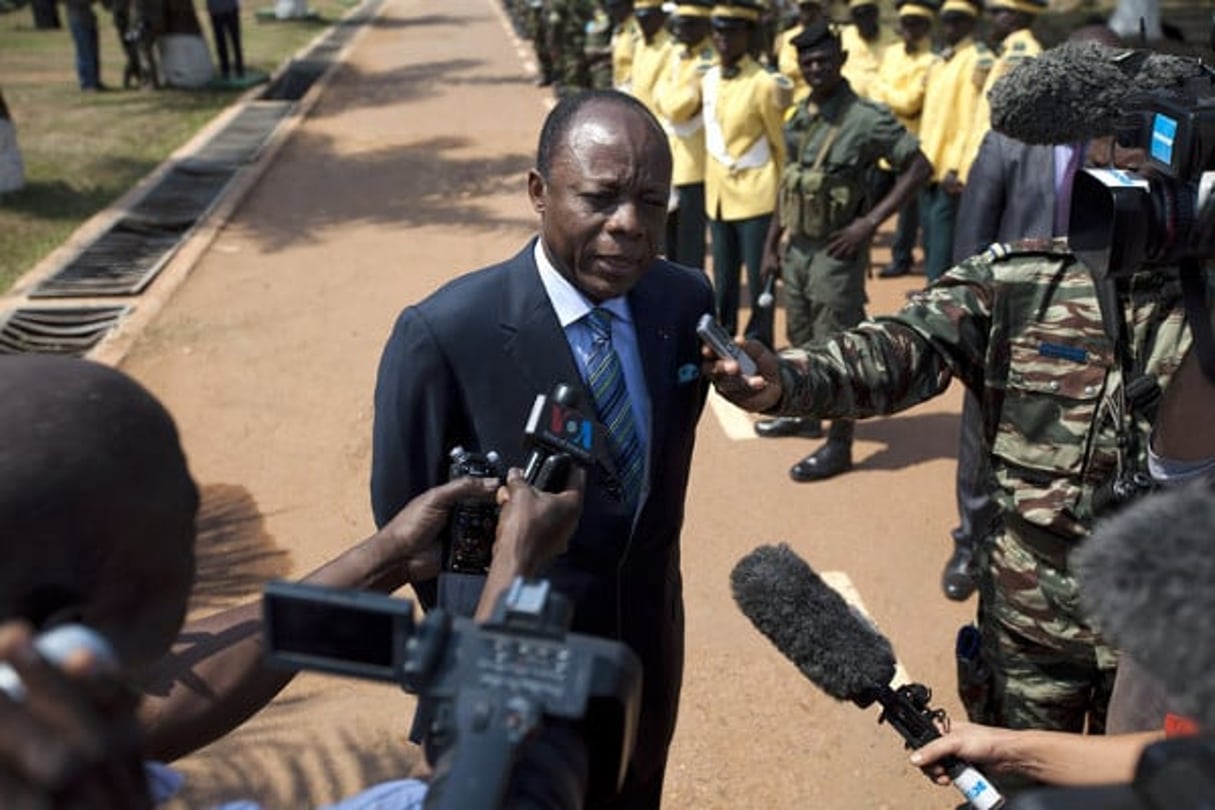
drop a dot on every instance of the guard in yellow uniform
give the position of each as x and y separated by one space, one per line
901 81
808 13
950 99
1010 26
865 42
626 33
744 109
680 109
651 53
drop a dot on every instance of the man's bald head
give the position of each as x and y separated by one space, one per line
97 505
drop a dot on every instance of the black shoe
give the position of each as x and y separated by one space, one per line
894 270
828 461
789 426
958 578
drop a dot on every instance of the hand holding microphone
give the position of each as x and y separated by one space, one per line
842 653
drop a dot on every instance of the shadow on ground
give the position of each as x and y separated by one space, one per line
234 555
909 440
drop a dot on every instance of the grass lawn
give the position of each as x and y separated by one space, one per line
83 150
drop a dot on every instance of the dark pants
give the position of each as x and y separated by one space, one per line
686 227
938 212
737 243
976 510
88 54
905 233
225 28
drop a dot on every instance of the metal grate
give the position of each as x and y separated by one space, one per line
57 331
125 259
295 81
241 141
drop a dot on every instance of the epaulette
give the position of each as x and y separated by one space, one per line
999 251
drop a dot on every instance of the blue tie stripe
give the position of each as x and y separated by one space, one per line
605 378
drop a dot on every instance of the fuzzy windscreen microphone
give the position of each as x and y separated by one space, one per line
811 624
1078 90
1147 576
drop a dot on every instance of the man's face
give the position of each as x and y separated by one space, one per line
651 22
956 26
619 10
821 69
603 208
913 29
731 38
691 30
809 13
865 18
1003 22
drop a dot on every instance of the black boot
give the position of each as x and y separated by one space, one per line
831 459
789 426
958 578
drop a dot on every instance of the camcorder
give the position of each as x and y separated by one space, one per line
556 436
1176 774
1127 222
511 695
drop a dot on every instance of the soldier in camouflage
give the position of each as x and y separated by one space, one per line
1021 327
567 22
598 49
536 23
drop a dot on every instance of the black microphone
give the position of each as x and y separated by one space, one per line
1147 577
1079 90
841 652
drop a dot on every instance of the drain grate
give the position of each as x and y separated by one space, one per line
241 141
295 81
57 331
125 259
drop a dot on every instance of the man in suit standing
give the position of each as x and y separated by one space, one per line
588 304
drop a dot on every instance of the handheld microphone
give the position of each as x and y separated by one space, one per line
841 652
1079 90
1147 577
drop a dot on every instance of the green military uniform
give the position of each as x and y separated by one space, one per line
567 27
598 50
536 20
824 295
1022 329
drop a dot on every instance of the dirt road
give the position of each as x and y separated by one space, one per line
409 170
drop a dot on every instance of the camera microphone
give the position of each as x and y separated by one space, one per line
1079 90
841 652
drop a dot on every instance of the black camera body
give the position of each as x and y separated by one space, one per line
1122 221
494 686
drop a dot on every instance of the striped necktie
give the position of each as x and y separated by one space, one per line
605 378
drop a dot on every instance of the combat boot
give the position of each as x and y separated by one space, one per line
833 458
958 578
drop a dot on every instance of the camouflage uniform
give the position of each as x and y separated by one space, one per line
537 31
567 23
1021 328
598 50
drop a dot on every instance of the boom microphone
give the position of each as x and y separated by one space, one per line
1147 576
841 652
1078 90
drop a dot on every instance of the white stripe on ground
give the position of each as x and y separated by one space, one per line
839 582
735 422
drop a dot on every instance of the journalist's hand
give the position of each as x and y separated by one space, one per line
534 526
846 243
411 539
72 741
977 744
757 393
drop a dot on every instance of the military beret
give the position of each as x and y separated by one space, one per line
815 35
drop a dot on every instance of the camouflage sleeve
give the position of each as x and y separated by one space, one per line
889 364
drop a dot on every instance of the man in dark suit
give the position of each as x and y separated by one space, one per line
464 366
1014 191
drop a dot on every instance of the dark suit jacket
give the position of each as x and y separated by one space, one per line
463 368
1009 195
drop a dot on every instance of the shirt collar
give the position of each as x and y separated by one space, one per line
571 305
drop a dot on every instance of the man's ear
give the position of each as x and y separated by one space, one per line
537 191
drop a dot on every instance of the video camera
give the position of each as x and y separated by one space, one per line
556 436
1123 221
498 687
1177 774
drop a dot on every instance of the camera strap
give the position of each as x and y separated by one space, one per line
1197 313
1137 391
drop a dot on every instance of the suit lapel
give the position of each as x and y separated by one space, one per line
656 344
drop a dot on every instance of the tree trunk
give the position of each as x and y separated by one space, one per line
46 15
12 169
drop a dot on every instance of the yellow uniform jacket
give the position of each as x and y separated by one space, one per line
680 108
901 80
1016 47
950 101
648 62
864 58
